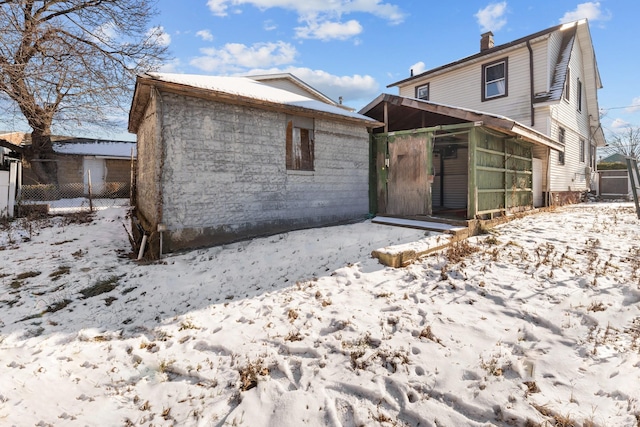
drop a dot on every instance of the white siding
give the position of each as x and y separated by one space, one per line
463 87
571 176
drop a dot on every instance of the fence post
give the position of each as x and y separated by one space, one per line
632 167
90 192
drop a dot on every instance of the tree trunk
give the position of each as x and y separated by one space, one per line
41 157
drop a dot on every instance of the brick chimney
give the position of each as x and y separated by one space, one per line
486 41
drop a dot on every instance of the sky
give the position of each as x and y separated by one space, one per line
517 327
354 49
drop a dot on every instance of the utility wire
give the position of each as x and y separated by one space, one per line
620 108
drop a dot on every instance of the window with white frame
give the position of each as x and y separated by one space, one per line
567 86
582 150
495 79
422 92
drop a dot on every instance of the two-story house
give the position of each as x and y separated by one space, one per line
546 82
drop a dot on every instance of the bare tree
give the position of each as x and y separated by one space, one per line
626 142
72 61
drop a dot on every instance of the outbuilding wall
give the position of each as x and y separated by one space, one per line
224 174
148 194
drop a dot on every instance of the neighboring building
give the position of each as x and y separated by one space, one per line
107 163
10 171
615 158
615 181
9 142
547 81
291 83
226 158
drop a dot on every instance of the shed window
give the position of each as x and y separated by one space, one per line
300 141
422 92
494 80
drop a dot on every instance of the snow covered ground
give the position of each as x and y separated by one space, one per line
535 324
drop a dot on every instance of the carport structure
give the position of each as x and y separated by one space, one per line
436 160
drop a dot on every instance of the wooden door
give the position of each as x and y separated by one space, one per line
408 184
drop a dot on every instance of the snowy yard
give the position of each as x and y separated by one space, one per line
536 324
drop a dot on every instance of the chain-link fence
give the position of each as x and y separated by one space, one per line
74 197
49 192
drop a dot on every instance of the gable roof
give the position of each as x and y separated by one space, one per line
410 113
569 31
560 70
305 89
238 91
614 158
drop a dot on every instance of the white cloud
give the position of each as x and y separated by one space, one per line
173 66
418 67
205 35
356 90
491 18
329 30
589 10
218 7
635 105
162 38
106 32
269 25
234 57
619 124
310 8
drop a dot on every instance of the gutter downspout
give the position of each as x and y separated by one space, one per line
533 120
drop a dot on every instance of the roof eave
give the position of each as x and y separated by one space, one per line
142 96
521 42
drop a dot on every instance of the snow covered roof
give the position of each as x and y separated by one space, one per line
95 147
240 90
560 71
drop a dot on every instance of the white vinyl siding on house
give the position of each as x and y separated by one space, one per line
572 176
462 87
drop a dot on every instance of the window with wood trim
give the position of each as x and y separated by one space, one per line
567 86
300 143
579 94
495 80
422 92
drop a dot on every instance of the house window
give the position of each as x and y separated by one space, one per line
582 150
561 135
422 92
300 141
567 86
494 80
579 95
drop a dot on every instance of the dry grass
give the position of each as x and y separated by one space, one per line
428 334
459 251
100 287
62 270
250 374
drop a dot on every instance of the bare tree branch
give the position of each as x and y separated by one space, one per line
626 143
73 60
